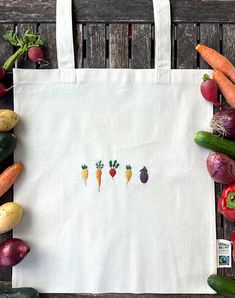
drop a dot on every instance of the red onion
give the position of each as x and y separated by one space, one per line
221 168
12 251
223 123
2 73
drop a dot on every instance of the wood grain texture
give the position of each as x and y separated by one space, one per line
78 45
118 45
118 11
47 31
95 46
6 48
209 35
121 295
186 42
141 46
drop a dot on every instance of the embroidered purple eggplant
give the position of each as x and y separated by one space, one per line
144 176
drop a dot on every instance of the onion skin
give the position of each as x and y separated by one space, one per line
221 168
12 252
223 123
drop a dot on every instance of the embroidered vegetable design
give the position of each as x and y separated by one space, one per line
144 176
99 166
84 173
113 165
128 173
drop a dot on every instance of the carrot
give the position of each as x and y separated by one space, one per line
226 87
217 61
99 166
9 176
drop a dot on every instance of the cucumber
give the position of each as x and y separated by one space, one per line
7 145
19 293
215 143
222 285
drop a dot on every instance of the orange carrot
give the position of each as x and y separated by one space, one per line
9 176
99 166
226 87
217 61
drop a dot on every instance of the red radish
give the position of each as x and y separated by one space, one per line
36 55
12 251
112 172
4 89
209 90
233 243
2 73
113 165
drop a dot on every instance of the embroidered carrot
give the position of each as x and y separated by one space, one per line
113 165
85 173
99 166
128 173
144 176
226 87
217 61
9 176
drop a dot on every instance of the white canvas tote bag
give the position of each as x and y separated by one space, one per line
154 234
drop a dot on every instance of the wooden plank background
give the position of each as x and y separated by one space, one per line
120 34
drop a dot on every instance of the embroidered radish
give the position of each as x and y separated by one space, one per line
99 166
144 176
128 173
84 173
113 165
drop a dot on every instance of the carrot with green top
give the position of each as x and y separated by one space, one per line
217 61
128 173
9 176
226 87
99 166
85 173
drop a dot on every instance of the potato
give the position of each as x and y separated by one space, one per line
8 120
10 215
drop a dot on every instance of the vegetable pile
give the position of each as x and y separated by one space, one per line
221 162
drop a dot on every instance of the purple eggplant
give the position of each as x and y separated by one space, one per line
144 176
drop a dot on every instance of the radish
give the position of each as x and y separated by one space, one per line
4 89
2 73
113 165
36 55
209 90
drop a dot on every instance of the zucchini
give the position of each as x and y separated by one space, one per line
222 285
7 145
19 293
215 143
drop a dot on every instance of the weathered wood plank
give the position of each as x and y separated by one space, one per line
123 295
118 45
21 28
186 42
95 46
118 11
6 48
209 35
141 46
47 31
78 45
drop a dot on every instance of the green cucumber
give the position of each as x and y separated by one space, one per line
215 143
7 145
19 293
222 285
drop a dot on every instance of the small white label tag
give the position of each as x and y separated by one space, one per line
223 253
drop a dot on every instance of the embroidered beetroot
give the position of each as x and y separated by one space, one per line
113 165
144 176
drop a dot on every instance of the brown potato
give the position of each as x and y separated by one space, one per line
8 120
10 216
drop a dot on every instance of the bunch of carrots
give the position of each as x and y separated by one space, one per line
224 72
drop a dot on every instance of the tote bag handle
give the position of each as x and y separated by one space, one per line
162 20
